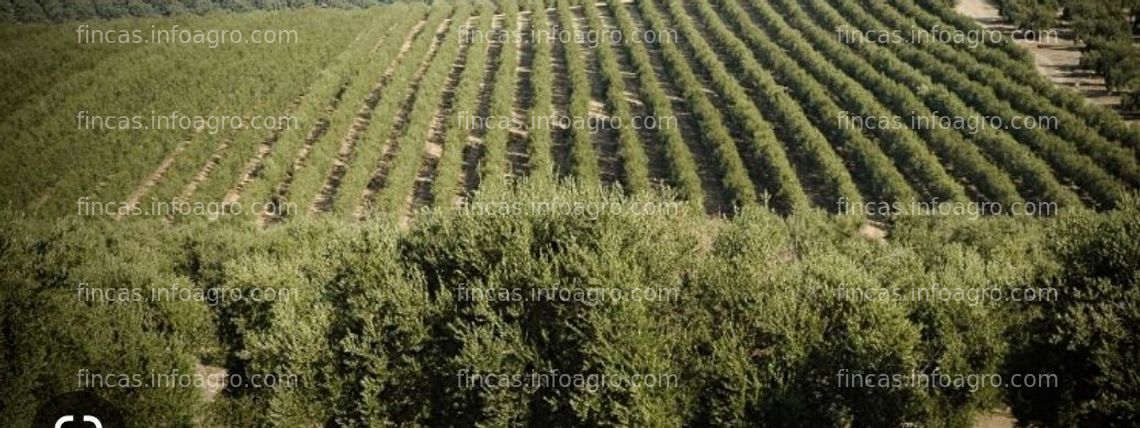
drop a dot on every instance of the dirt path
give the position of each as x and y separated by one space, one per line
1001 418
324 199
204 172
1057 58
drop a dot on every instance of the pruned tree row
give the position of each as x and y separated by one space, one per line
682 165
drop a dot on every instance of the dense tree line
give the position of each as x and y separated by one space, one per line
377 329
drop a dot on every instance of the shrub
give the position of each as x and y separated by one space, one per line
1089 336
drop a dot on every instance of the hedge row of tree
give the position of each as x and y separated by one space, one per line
446 184
966 98
911 158
48 173
1017 159
1098 144
802 141
876 173
583 157
773 167
635 163
378 139
400 179
781 119
378 104
540 141
682 166
330 108
966 158
494 165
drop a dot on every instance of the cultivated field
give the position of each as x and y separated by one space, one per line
795 106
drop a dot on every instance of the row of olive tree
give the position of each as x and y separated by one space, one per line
71 10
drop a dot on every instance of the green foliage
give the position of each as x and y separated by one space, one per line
684 169
635 164
777 175
583 157
1088 336
62 334
963 156
376 332
943 98
1035 14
